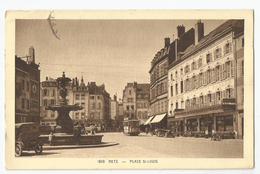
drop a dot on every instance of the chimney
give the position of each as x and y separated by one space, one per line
199 31
73 82
180 30
167 42
32 55
76 81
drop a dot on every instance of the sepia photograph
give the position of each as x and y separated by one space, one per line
129 89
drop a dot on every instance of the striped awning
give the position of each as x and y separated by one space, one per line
149 120
158 118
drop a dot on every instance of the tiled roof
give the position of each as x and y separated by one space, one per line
235 24
143 88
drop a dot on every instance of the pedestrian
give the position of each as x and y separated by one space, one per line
50 138
77 133
146 130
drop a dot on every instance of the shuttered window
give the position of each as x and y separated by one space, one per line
232 68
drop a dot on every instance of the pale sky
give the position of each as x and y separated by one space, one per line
113 52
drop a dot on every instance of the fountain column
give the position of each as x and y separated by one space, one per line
63 121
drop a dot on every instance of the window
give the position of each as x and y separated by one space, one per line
201 79
230 93
176 105
82 96
158 107
228 68
52 102
45 92
209 98
45 102
176 74
28 86
176 88
83 105
171 77
162 70
181 71
209 57
132 108
181 86
209 76
205 78
23 84
217 73
217 53
92 97
77 97
165 68
218 99
200 63
171 90
98 97
201 101
242 67
227 48
213 75
27 104
53 92
187 84
93 105
187 69
130 92
232 68
194 82
162 88
193 66
242 42
52 115
224 73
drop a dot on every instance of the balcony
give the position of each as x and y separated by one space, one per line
208 108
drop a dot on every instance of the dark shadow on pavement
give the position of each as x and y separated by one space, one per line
34 154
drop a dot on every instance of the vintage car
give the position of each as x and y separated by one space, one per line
27 138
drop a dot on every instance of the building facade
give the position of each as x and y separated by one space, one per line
202 81
49 96
142 102
136 101
159 73
27 89
129 100
81 98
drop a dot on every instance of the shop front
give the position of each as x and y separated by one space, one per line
204 121
159 122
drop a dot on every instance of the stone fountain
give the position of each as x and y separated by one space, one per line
63 133
63 121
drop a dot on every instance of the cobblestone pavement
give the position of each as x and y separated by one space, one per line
147 146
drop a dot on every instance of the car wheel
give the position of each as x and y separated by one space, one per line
38 149
18 150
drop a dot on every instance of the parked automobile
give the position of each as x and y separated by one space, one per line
27 138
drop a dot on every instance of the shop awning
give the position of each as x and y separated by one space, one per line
158 118
149 120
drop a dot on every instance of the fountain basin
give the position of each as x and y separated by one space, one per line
70 139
